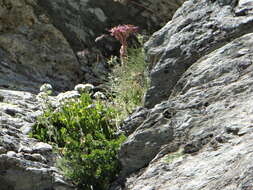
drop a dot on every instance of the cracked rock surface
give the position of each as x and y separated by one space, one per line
40 42
25 163
197 133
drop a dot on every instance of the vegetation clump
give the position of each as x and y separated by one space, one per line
84 134
129 82
83 130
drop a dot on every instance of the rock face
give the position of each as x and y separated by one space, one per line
195 131
25 163
39 43
74 18
198 132
155 12
39 40
32 50
191 34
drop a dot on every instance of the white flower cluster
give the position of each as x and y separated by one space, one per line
88 88
67 96
84 88
99 95
43 97
46 88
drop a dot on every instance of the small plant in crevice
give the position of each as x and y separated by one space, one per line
129 82
173 156
84 133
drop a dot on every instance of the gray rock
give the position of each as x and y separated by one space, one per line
27 128
41 147
206 170
18 152
77 16
142 146
207 104
11 154
25 149
23 174
35 157
24 35
40 41
36 28
134 121
191 34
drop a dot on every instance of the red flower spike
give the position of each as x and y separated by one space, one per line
121 33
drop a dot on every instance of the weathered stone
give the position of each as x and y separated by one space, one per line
22 174
18 151
25 149
11 154
27 128
22 36
29 28
192 33
133 121
201 69
142 146
155 11
205 80
35 157
42 147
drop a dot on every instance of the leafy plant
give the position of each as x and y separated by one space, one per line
84 133
129 83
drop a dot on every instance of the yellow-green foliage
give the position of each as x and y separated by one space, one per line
173 156
84 133
129 83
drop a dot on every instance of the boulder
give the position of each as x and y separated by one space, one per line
192 33
33 51
203 69
155 12
53 42
25 163
40 40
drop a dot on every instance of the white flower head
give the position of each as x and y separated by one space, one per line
62 97
47 88
82 88
99 95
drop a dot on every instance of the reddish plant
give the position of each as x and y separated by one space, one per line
121 33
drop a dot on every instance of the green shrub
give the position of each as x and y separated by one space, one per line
129 83
84 133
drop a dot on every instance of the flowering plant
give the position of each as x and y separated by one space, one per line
121 33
